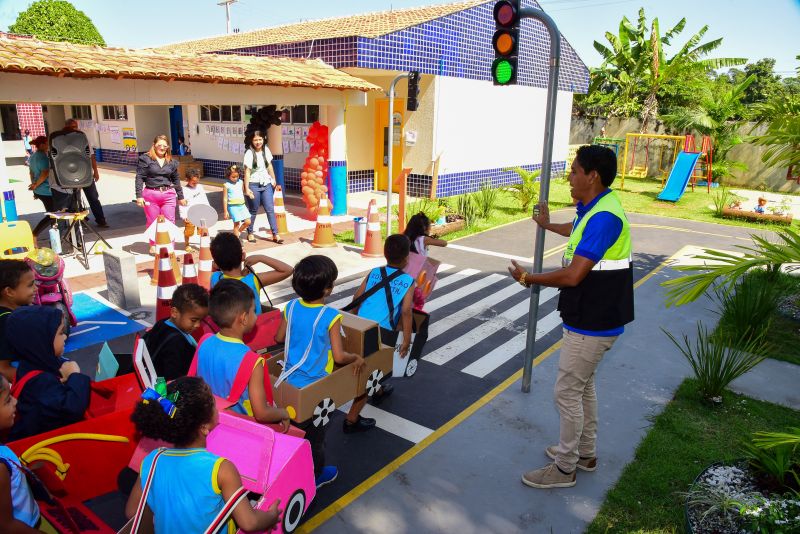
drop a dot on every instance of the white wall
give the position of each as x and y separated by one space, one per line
481 126
204 145
105 137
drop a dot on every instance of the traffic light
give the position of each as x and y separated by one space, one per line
413 91
505 42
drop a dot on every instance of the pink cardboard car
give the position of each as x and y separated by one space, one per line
273 465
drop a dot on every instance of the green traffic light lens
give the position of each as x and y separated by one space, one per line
503 71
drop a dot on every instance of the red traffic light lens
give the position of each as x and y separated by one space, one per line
504 13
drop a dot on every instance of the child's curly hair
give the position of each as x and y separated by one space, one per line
194 407
233 169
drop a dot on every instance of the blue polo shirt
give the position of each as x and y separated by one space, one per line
601 231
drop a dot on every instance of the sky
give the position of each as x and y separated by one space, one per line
751 30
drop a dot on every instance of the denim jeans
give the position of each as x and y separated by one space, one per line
262 196
94 203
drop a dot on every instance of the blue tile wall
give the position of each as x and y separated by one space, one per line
291 177
469 181
120 157
337 163
215 168
418 185
358 181
458 45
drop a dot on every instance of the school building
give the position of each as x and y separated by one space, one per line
463 134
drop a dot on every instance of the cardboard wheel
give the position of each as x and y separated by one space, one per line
294 511
323 411
374 382
411 368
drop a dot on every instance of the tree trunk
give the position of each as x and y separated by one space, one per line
649 111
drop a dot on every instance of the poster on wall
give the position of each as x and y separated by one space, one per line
286 148
115 132
129 139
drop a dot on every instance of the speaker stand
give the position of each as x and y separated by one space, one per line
76 231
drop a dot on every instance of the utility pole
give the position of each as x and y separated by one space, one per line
227 4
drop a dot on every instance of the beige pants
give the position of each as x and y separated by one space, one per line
576 398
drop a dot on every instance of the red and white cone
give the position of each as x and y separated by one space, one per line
206 262
189 274
373 244
166 285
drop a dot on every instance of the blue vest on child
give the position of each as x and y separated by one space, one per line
184 495
319 362
218 360
250 279
375 307
23 506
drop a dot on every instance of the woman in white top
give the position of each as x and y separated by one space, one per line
259 184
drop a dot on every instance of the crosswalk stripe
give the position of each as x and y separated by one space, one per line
461 292
394 424
508 350
440 325
458 346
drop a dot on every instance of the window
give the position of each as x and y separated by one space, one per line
312 114
213 113
300 115
82 113
115 113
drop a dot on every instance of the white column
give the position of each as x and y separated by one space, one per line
337 143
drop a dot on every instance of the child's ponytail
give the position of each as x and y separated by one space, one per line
179 421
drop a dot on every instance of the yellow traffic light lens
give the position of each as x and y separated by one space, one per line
504 44
503 71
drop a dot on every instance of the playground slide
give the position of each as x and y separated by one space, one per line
679 176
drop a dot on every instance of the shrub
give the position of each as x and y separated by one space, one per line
722 198
747 307
485 199
778 464
715 362
432 209
527 191
466 207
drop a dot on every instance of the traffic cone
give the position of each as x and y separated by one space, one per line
163 240
280 211
189 274
204 275
166 286
373 245
323 234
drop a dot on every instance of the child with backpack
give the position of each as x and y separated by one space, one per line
51 391
233 371
313 340
187 488
228 254
170 342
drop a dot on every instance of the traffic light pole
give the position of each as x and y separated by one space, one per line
544 187
390 148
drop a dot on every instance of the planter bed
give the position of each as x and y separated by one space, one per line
729 213
447 228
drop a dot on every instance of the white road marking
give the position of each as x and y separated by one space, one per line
394 424
355 283
442 324
490 253
497 357
461 292
503 320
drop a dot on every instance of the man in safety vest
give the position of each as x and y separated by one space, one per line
596 302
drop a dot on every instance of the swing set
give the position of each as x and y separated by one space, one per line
667 155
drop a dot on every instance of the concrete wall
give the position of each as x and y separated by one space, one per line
757 175
480 126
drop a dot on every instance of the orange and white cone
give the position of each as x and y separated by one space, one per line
323 233
166 285
163 240
206 264
373 244
189 274
280 211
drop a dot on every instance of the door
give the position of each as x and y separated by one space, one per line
175 126
382 143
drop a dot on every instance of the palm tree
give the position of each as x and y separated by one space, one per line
717 115
635 65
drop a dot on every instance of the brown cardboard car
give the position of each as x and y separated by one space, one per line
320 399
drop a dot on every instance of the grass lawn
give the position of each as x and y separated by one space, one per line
639 196
685 438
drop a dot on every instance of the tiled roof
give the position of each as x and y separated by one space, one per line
365 25
31 56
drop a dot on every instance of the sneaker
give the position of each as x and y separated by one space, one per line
362 425
102 224
584 463
251 238
384 393
328 475
549 476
